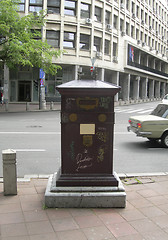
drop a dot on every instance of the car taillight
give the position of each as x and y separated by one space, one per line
139 125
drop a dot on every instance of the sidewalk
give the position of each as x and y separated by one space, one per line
22 107
24 216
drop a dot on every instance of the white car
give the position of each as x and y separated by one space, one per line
153 126
165 99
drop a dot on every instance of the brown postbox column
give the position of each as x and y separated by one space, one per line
87 128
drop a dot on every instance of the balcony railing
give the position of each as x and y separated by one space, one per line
137 65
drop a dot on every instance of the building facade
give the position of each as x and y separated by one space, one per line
119 41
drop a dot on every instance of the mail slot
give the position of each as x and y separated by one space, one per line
87 128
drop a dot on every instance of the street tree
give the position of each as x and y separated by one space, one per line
20 39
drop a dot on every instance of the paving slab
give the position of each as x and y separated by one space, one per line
25 216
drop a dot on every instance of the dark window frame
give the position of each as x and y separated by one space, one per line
37 6
85 13
84 42
53 8
98 14
107 46
22 6
69 40
53 36
97 43
69 9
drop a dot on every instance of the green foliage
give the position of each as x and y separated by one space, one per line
20 39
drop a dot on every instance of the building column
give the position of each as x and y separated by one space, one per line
100 74
151 89
157 89
126 88
76 69
144 88
162 89
115 80
136 88
166 87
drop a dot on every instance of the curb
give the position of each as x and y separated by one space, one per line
27 178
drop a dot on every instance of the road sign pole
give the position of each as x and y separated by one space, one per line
42 101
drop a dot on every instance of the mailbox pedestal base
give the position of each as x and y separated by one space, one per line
84 197
72 180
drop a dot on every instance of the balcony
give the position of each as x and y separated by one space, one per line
151 70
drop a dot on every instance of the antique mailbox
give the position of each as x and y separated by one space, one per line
87 126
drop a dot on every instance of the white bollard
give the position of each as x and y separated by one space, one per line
6 107
44 104
51 105
9 172
27 106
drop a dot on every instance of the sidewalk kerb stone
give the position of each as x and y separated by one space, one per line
145 174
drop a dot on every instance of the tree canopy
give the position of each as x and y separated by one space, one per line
20 39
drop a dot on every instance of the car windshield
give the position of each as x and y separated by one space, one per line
166 97
161 110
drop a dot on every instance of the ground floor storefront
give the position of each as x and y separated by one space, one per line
23 85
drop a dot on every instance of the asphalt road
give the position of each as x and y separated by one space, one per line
36 137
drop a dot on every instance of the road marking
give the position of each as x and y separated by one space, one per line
145 111
40 133
135 110
30 150
140 111
122 110
123 133
52 133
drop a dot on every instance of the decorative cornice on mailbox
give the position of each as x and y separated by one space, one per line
98 86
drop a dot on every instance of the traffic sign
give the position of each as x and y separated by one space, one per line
41 82
42 74
91 68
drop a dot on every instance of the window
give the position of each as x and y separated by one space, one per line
114 49
53 38
141 37
150 21
145 39
107 46
149 41
84 41
53 6
70 8
107 17
69 40
115 21
133 7
142 14
137 34
85 10
132 31
146 18
127 4
121 25
97 44
22 6
35 5
36 34
137 11
127 28
97 14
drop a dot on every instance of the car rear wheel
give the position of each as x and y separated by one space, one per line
164 139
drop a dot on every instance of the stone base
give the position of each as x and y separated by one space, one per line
84 197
